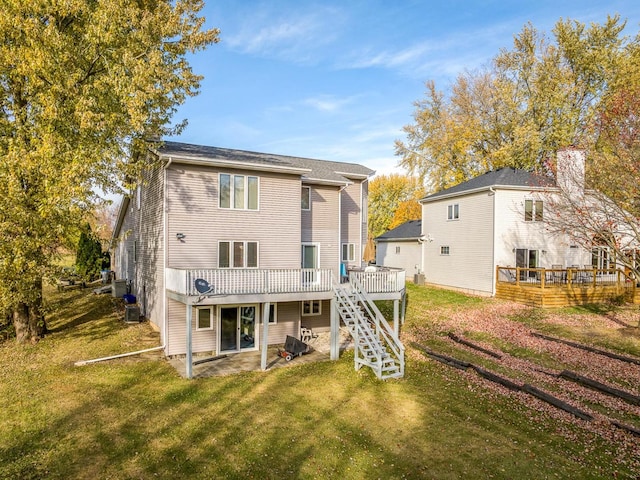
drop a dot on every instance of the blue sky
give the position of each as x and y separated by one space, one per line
336 80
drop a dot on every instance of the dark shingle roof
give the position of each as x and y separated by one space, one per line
408 230
505 177
319 170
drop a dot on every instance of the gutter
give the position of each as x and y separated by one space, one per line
102 359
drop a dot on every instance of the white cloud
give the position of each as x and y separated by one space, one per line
295 36
328 103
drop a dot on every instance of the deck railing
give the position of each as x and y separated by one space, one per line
225 281
551 277
389 280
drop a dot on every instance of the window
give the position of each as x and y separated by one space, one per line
397 249
533 210
444 250
348 252
237 254
204 318
305 201
601 258
273 313
239 192
453 212
311 307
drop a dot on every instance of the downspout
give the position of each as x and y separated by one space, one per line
102 359
165 258
340 229
492 192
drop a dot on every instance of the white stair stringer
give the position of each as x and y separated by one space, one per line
375 343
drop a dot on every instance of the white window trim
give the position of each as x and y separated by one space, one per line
197 322
534 210
351 249
244 260
246 192
309 195
311 312
455 212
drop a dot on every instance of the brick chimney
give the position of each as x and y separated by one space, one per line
570 168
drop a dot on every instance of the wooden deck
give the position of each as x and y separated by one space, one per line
540 287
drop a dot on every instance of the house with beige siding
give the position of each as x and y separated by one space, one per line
497 220
229 251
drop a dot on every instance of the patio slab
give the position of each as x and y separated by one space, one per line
251 361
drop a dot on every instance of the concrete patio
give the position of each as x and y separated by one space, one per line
250 361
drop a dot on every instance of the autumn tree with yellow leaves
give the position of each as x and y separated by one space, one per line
538 97
84 87
393 200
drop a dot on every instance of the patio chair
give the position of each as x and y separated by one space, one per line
307 335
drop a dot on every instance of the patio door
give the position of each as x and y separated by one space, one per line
237 328
526 258
310 260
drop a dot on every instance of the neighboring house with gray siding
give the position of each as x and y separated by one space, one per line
495 219
400 247
267 232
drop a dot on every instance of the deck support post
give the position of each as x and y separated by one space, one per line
266 307
396 318
189 356
334 350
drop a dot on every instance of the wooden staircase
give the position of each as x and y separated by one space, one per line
375 343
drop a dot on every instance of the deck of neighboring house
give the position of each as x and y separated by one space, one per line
559 287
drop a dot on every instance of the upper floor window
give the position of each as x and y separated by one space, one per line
444 250
348 252
305 201
397 249
239 192
533 210
453 212
237 254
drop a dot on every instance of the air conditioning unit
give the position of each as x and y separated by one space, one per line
418 279
132 314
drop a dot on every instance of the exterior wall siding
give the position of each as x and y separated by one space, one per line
409 258
193 211
149 283
319 225
513 232
351 221
469 264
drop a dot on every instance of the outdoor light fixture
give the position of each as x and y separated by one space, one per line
180 236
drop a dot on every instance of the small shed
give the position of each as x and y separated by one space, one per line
401 248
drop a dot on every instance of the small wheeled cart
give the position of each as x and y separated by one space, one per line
292 348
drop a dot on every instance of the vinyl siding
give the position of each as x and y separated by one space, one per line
320 225
205 341
408 258
351 220
469 265
149 283
193 211
513 232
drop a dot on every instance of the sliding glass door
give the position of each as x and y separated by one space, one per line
237 328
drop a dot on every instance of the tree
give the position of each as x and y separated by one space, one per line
84 87
88 254
607 214
387 193
517 112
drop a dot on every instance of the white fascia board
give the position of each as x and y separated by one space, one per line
122 210
523 188
321 181
359 176
215 162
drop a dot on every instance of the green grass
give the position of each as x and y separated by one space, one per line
137 418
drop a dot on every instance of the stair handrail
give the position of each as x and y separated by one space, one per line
374 313
358 325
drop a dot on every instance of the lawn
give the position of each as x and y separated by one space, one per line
137 418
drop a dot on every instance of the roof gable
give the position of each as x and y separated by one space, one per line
408 230
311 170
504 177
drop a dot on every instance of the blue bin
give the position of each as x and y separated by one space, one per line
128 298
